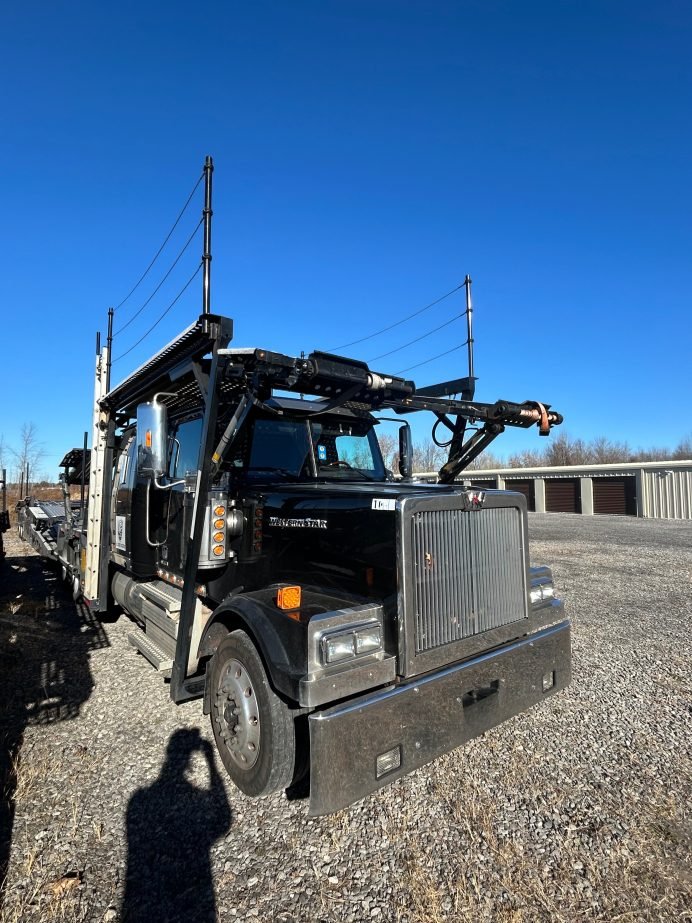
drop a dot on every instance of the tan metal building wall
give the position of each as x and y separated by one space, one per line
666 493
663 489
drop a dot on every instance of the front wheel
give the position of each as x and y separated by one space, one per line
253 727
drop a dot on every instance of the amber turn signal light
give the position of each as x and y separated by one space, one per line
288 597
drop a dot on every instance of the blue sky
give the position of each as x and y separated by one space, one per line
368 155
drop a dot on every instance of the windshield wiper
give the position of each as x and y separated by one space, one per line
336 469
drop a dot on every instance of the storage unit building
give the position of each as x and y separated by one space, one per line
562 495
654 490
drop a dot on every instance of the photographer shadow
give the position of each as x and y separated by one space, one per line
172 825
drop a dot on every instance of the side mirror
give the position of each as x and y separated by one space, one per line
405 451
152 432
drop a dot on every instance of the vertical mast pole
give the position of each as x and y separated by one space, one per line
206 255
109 343
469 323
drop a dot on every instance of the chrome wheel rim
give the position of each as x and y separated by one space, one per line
237 715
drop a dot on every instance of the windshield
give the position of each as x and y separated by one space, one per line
346 446
323 448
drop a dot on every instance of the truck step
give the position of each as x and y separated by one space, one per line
159 659
163 595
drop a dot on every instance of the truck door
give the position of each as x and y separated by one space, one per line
137 511
121 518
185 441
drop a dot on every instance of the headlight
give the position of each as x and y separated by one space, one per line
368 639
540 592
542 589
339 647
347 645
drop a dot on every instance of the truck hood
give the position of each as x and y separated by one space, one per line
337 534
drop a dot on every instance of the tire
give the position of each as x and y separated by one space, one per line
253 728
76 589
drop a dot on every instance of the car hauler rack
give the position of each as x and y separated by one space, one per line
241 513
57 529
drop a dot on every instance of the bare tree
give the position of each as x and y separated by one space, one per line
528 458
564 450
604 451
390 450
653 453
427 456
683 450
486 461
30 451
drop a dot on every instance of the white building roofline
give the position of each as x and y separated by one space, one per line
567 470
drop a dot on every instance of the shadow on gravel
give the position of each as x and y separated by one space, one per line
171 826
45 640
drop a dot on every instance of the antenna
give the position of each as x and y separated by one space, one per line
206 255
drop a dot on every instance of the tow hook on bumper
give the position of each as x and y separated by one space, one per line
366 743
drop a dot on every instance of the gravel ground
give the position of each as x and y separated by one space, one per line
578 809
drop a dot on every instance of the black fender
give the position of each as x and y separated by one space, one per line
280 641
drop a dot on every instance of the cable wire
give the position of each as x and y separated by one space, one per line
158 252
399 322
418 339
174 264
432 358
161 317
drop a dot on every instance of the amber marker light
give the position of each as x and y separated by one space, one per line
288 597
218 523
218 550
219 510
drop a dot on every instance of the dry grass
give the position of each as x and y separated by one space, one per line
44 896
47 897
643 875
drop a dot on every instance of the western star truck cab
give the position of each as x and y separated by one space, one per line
340 624
337 621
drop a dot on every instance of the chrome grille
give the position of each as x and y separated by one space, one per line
469 573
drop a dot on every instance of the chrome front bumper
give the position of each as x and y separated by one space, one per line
429 716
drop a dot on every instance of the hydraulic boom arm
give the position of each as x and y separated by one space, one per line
494 418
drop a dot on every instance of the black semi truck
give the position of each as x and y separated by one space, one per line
338 622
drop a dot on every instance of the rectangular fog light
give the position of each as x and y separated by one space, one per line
388 761
548 681
368 639
339 647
